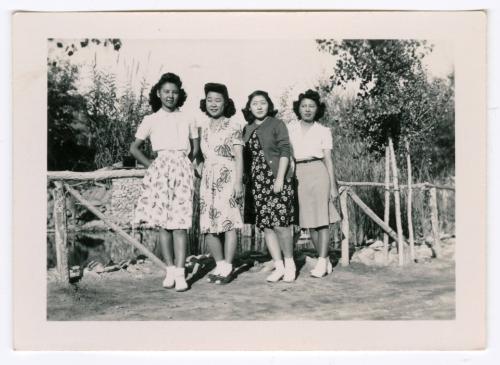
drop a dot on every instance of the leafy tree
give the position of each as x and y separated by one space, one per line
67 145
394 96
71 47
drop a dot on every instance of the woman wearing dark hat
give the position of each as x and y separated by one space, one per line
270 190
317 188
221 188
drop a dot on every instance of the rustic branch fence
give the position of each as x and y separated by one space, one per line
61 186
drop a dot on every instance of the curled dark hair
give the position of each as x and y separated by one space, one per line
314 96
247 113
229 109
172 78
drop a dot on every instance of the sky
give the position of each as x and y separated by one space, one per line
243 65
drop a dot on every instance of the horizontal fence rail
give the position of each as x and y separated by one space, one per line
59 212
121 173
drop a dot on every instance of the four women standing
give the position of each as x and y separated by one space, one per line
266 143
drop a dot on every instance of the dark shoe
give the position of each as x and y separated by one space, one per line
222 280
211 278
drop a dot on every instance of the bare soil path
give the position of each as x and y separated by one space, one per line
424 291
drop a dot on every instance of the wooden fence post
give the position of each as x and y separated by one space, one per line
435 222
397 204
61 234
344 259
387 202
409 204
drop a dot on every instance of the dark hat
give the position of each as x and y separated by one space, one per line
218 88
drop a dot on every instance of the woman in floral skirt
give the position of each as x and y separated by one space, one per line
166 202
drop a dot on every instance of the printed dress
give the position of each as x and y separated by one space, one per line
271 209
167 193
166 200
219 211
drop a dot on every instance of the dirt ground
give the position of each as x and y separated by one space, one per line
422 291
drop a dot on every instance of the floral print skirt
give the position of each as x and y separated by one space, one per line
166 200
219 211
271 209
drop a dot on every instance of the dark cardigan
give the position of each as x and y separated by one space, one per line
274 140
275 143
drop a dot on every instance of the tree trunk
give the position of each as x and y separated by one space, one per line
397 204
409 204
61 233
387 202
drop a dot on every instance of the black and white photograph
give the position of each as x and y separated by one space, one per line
256 179
245 180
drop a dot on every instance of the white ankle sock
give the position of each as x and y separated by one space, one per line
279 266
226 268
169 277
289 263
180 279
218 267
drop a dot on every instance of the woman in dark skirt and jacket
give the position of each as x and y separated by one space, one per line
269 188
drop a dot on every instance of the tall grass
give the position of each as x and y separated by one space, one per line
113 114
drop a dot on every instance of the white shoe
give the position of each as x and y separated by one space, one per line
169 281
275 276
289 275
180 280
321 268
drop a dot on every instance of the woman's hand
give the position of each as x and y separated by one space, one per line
334 194
278 185
238 191
198 169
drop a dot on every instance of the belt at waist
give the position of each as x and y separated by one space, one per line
309 160
172 152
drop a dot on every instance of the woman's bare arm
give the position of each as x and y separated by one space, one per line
137 153
334 192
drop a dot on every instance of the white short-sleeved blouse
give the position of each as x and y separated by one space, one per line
311 143
167 130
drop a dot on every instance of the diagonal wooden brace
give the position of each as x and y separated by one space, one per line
370 213
115 227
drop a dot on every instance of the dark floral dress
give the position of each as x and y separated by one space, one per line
271 209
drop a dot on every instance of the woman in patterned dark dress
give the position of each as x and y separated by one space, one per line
269 190
221 186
